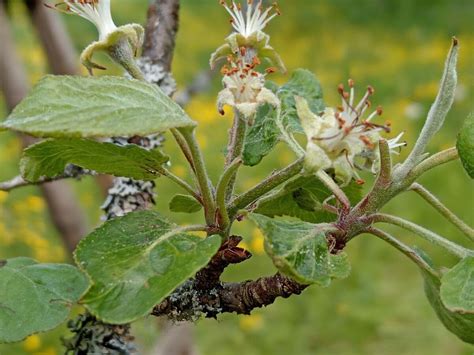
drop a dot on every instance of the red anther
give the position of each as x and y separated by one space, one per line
277 8
225 70
256 61
243 51
254 74
368 103
340 89
379 110
345 95
340 108
270 70
367 142
370 90
351 83
388 123
360 182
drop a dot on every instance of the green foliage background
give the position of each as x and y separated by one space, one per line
398 47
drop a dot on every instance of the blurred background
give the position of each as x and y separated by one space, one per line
399 47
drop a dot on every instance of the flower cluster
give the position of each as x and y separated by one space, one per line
244 86
121 43
344 139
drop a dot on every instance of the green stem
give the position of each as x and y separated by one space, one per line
334 188
183 146
201 175
227 176
271 182
403 248
180 182
385 172
441 208
435 160
424 233
234 150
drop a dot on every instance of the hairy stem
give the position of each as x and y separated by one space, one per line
180 182
234 150
201 175
403 248
222 185
271 182
441 208
426 234
435 160
334 188
183 146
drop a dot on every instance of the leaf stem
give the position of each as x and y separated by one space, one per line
385 172
426 234
334 188
180 182
201 175
403 248
441 208
183 146
234 150
271 182
435 160
222 185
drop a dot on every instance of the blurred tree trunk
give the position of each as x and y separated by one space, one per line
64 211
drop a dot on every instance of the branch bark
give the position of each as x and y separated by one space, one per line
240 298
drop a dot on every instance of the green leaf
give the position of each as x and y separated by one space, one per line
303 197
264 135
107 106
457 287
300 250
462 325
465 145
50 157
36 297
135 261
184 204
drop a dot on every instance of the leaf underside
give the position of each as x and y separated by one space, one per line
50 157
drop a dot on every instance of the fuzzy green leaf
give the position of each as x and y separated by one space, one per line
49 158
135 261
107 106
36 297
465 145
184 204
457 287
462 325
300 250
264 135
303 197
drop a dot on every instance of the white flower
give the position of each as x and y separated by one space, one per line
244 87
122 43
95 11
255 18
339 139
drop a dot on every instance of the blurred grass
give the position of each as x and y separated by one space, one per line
398 47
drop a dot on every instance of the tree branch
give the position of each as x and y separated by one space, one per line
240 298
